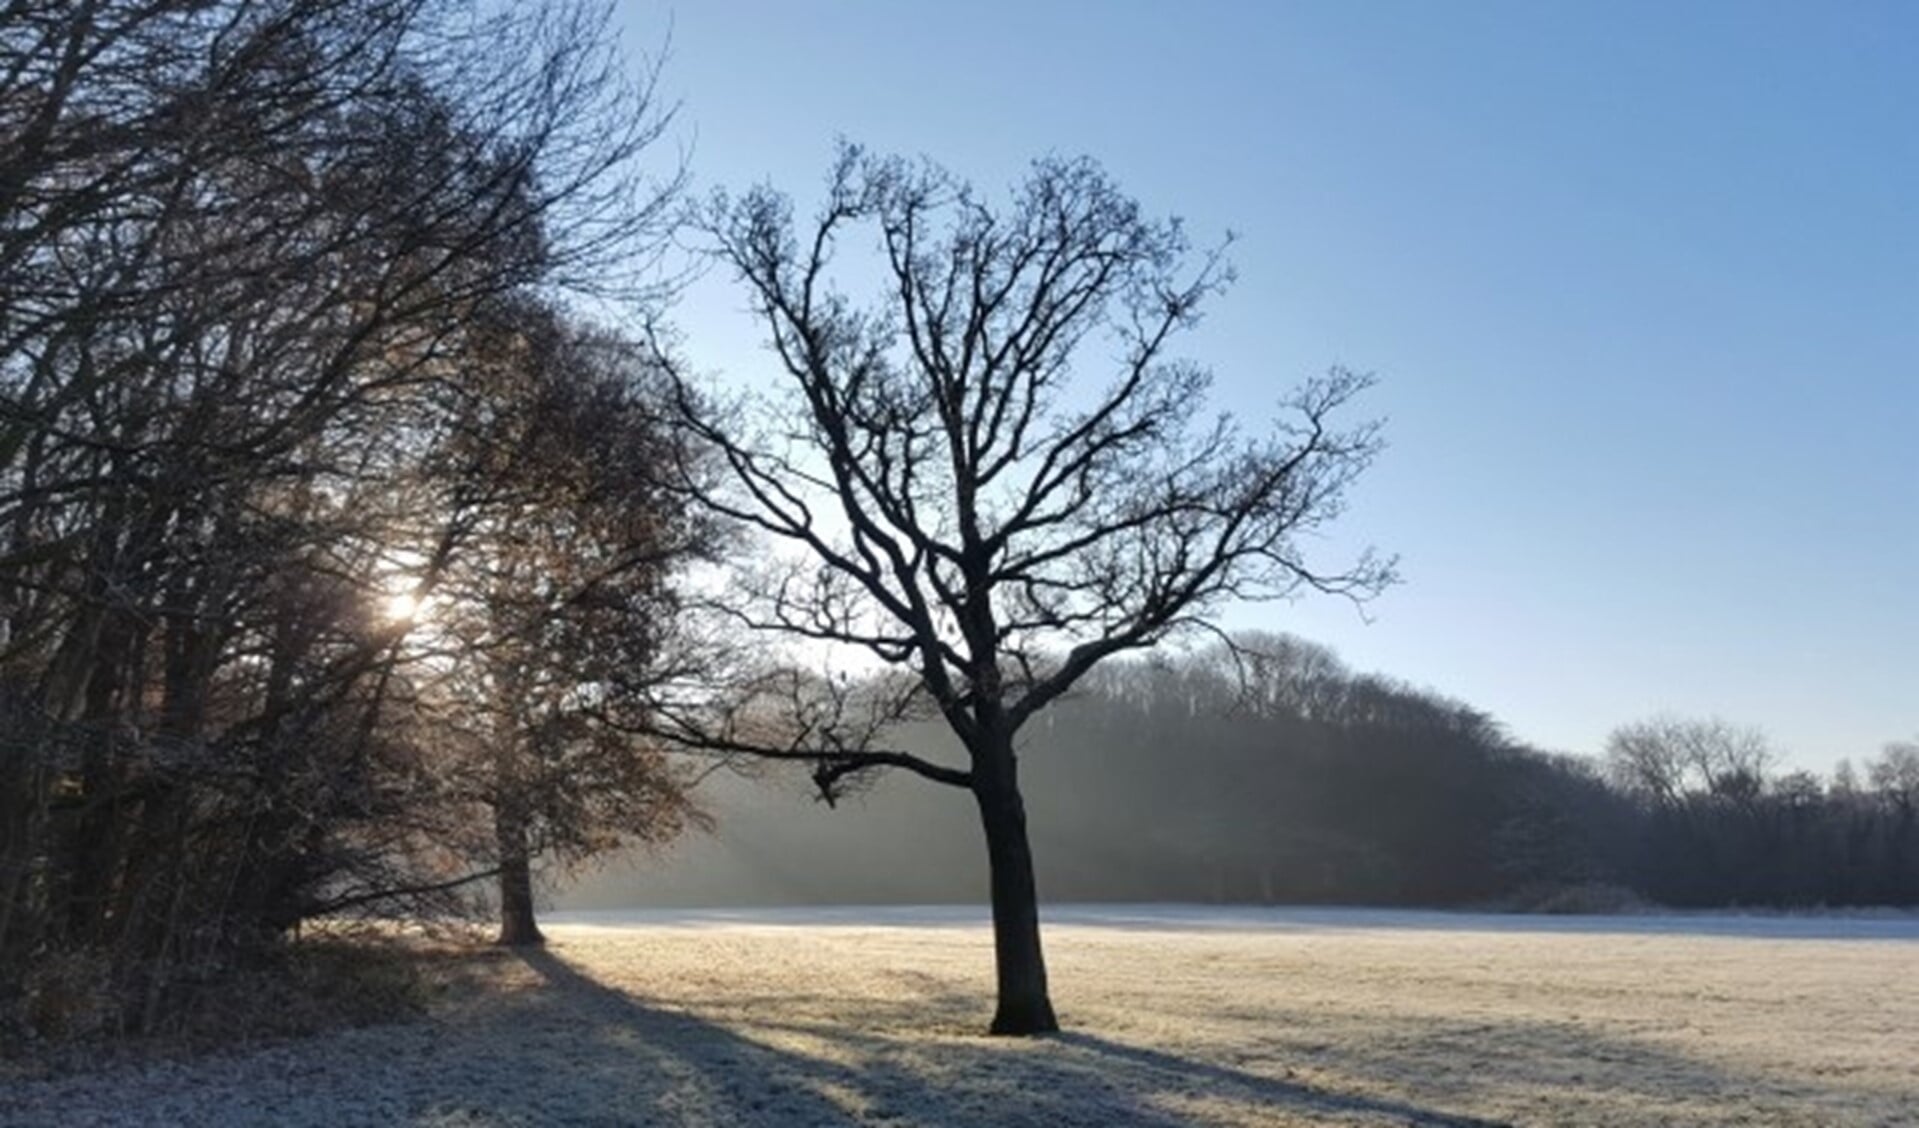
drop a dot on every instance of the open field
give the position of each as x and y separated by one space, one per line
1175 1016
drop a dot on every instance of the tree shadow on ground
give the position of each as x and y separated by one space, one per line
861 1076
915 1056
554 1045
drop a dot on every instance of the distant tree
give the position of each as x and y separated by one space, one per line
1667 759
1895 775
1285 674
1717 824
944 492
1845 781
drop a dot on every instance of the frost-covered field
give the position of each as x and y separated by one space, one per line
1175 1015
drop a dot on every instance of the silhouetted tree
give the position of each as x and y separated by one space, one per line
944 492
546 561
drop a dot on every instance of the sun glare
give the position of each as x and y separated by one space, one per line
402 606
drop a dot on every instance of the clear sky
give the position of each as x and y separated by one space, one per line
1641 282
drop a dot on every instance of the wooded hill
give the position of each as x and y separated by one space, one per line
1289 778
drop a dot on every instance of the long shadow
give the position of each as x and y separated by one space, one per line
560 1047
1067 1079
901 1061
859 1082
1268 1089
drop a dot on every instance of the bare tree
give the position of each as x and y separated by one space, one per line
546 562
1671 759
1895 775
943 492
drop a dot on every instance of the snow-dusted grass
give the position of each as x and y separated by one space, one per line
1175 1015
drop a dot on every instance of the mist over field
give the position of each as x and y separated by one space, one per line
902 844
1303 782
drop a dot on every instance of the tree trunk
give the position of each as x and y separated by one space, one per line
1024 1007
518 929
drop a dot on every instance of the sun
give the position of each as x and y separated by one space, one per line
403 607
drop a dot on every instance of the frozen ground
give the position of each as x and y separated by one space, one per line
1176 1015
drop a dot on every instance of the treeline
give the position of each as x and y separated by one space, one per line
1284 777
317 508
1281 776
1716 821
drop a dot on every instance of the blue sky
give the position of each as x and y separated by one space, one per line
1641 282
